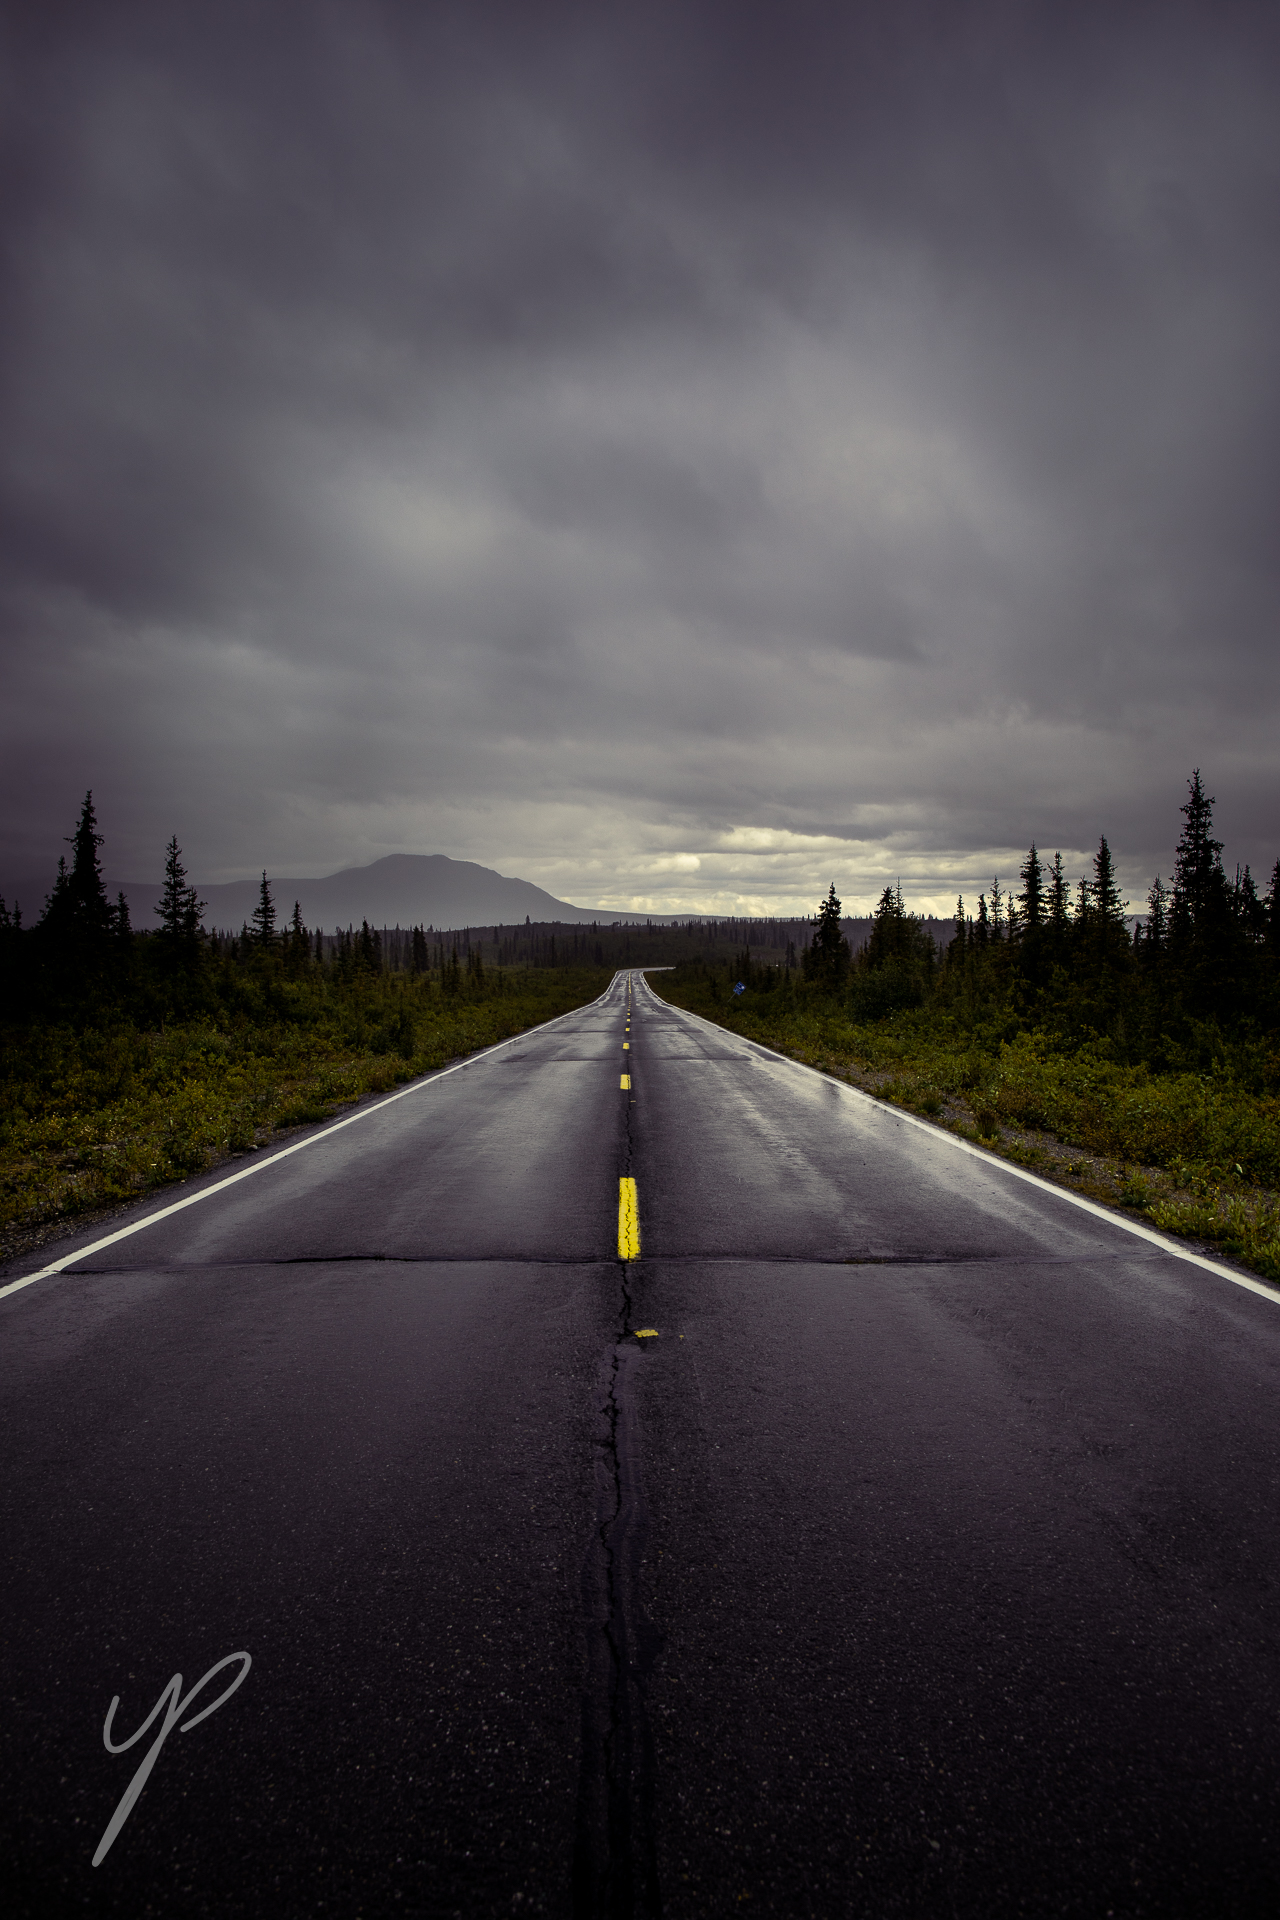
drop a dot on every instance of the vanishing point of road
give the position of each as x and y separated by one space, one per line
630 1474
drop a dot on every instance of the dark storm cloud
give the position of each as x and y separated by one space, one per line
596 441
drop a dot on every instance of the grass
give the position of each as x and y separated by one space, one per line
91 1120
1195 1155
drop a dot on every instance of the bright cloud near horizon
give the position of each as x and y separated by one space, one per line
682 455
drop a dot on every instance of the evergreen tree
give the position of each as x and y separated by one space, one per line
1104 893
78 956
827 959
885 942
297 942
368 949
88 892
1031 901
1250 910
997 909
180 911
1197 869
1059 897
264 917
78 914
1157 918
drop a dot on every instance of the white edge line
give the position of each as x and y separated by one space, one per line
274 1159
1150 1234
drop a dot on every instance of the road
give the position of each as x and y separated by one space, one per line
889 1536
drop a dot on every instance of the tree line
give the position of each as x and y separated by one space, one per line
1200 969
83 962
1203 963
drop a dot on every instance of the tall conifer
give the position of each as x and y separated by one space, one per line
1059 896
1104 893
828 956
1197 867
264 916
180 910
1031 899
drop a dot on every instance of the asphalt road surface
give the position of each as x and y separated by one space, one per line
888 1536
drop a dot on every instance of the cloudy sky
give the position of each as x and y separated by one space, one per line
679 454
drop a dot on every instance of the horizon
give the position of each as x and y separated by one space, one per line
856 905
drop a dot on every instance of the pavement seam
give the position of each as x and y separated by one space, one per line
695 1259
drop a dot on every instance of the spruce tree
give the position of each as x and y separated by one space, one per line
87 889
1059 897
180 911
1250 910
885 942
297 941
57 904
1031 902
1197 869
827 959
264 917
78 913
80 955
1104 893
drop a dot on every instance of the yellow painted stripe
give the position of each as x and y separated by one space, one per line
626 1046
628 1221
626 1083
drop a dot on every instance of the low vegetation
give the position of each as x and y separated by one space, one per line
1143 1070
98 1116
130 1060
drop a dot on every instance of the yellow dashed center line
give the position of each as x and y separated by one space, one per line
626 1083
628 1221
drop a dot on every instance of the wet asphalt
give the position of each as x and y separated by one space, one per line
920 1559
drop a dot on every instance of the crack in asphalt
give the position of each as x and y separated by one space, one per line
909 1260
615 1861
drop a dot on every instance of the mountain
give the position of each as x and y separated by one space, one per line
402 890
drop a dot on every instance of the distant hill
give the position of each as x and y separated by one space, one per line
402 890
